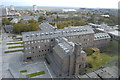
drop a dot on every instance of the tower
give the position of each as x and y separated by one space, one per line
34 7
11 7
80 57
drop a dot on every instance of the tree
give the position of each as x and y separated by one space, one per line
21 27
41 19
5 21
32 21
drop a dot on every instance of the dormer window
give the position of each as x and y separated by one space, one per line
27 36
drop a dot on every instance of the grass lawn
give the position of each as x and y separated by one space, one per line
13 51
89 51
23 71
113 48
15 47
15 43
99 59
35 74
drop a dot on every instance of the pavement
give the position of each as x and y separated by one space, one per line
7 59
31 68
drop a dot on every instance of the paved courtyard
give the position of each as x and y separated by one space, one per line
31 68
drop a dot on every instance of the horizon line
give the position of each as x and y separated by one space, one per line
60 7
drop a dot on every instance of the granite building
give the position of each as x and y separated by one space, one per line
62 48
67 58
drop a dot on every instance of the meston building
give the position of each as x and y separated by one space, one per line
62 48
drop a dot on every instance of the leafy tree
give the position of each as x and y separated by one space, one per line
21 27
41 19
5 21
32 21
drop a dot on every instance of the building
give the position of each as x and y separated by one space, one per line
46 27
62 48
107 72
67 58
4 11
11 7
34 7
15 20
8 28
101 40
103 28
115 35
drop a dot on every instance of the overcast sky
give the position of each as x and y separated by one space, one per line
65 3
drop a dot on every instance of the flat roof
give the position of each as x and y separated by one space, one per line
115 32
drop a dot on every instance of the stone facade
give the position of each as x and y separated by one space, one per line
67 59
62 48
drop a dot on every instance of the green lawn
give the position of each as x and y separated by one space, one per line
15 43
23 71
89 51
35 74
113 48
13 51
15 47
99 59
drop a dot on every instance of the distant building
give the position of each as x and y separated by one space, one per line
15 20
115 35
5 11
105 15
34 7
111 30
46 27
11 7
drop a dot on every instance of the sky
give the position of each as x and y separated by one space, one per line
64 3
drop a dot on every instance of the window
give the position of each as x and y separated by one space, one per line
48 40
45 41
41 40
45 45
51 39
79 66
29 58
